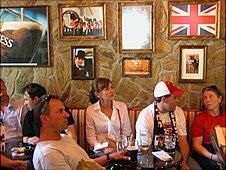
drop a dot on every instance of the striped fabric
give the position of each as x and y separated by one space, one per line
80 119
190 115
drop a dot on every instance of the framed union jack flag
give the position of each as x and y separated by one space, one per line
194 20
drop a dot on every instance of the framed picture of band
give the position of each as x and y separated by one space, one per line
136 67
24 36
83 62
193 63
82 22
135 27
194 19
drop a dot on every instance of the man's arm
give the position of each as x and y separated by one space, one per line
184 149
117 155
14 164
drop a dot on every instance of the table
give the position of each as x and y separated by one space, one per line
27 157
146 160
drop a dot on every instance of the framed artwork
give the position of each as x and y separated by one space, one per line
136 67
82 21
193 63
193 20
135 27
24 36
83 62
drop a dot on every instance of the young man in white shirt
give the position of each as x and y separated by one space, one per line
163 117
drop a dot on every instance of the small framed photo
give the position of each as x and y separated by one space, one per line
25 36
136 67
194 20
135 27
82 21
83 62
193 63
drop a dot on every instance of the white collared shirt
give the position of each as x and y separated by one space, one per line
99 126
13 120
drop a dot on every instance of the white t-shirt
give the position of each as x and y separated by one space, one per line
145 122
63 154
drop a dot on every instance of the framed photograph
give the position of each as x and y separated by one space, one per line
194 20
24 36
135 27
83 62
193 63
82 21
136 67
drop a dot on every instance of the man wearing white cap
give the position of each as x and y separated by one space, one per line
162 118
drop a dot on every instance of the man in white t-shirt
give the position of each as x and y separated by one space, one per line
54 151
163 117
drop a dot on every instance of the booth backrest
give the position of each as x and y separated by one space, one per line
79 115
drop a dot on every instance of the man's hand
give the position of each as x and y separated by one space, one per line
119 155
14 164
33 140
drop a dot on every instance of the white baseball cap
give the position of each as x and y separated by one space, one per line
166 87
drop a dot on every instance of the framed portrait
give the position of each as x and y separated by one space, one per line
24 36
135 27
194 20
82 21
193 63
83 62
136 67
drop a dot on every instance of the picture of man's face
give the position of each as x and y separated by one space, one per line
79 61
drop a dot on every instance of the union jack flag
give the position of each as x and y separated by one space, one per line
194 20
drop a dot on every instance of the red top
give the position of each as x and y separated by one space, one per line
204 123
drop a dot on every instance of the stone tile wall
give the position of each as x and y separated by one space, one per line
135 92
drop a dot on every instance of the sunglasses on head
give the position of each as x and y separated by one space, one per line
45 103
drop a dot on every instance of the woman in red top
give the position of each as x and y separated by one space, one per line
214 114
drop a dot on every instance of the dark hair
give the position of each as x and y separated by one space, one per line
98 85
218 92
158 99
34 89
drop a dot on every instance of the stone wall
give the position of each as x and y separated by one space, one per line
135 92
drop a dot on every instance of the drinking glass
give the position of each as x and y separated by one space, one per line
119 143
127 139
144 140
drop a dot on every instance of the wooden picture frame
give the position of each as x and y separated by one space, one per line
82 22
136 67
192 20
193 63
25 36
135 27
83 62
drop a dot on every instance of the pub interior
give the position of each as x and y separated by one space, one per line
133 72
